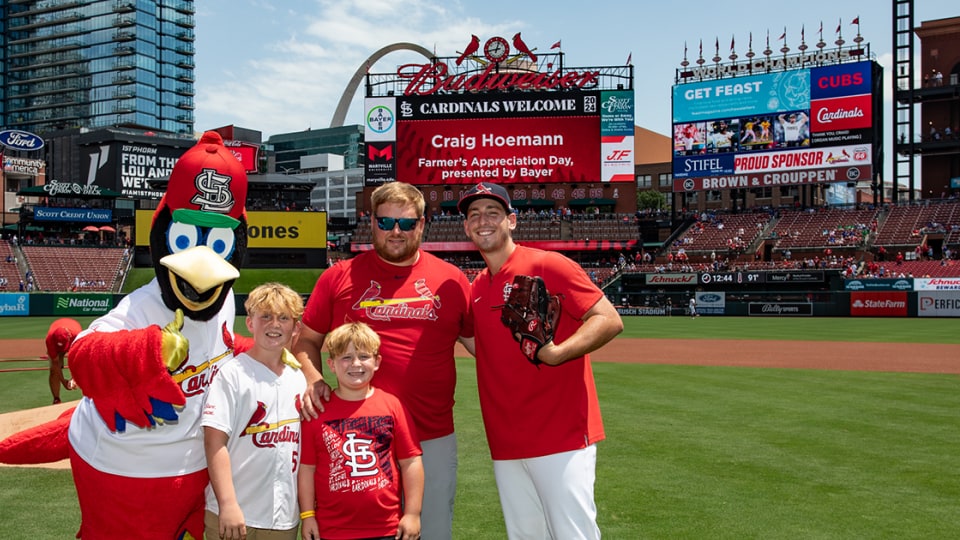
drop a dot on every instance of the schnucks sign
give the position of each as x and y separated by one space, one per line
15 139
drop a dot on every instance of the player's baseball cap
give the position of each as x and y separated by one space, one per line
63 337
208 185
488 191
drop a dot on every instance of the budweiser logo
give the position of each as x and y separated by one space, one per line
427 79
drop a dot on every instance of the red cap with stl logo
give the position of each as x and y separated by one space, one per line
208 179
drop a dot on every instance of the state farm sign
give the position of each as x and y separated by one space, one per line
878 304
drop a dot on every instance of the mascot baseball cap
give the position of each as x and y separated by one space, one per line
488 191
208 185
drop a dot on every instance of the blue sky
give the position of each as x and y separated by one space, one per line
281 66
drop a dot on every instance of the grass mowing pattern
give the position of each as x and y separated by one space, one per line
720 452
691 452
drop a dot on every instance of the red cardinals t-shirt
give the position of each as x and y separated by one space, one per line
419 311
356 447
530 411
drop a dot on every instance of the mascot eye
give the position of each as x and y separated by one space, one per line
222 241
182 236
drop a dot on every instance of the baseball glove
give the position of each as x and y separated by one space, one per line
531 314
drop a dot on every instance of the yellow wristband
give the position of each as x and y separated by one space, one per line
307 514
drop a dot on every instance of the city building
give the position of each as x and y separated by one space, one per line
926 108
78 79
345 141
97 63
940 106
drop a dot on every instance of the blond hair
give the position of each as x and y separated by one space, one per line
274 299
358 334
400 193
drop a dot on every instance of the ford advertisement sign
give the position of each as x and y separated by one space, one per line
711 303
15 139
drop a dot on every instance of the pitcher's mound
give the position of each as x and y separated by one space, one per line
16 421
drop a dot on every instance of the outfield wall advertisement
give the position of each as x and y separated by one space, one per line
938 304
527 137
803 126
14 304
300 230
878 304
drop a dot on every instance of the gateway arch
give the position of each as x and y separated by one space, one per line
350 91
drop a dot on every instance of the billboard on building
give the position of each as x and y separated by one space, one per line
247 153
278 230
799 126
129 168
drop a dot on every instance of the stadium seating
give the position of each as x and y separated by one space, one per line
920 269
906 225
825 228
604 229
722 234
82 269
9 272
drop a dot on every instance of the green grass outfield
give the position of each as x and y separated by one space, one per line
691 452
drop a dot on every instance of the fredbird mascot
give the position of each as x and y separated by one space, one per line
135 441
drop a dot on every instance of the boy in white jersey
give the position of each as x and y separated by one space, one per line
251 426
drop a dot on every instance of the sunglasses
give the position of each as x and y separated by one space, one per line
405 223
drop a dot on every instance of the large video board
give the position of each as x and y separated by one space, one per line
502 137
793 127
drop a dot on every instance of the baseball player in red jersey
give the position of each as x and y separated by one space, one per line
418 304
60 337
542 422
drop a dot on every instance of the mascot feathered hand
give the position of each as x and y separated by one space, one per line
135 441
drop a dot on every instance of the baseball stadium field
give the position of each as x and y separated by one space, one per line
717 427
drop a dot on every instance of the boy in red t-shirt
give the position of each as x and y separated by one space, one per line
360 455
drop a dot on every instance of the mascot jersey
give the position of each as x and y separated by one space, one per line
167 449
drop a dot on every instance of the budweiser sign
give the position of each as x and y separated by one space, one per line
427 79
